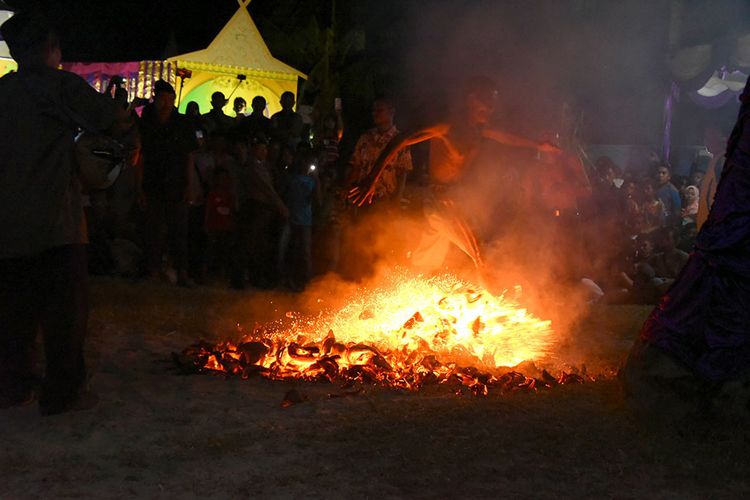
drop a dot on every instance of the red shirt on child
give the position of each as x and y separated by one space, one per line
219 212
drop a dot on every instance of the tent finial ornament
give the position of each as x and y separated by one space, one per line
243 3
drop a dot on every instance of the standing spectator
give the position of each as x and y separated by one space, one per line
194 118
168 142
204 162
326 226
328 144
239 106
43 279
256 122
286 125
358 257
124 189
237 167
215 120
258 207
296 241
263 208
669 196
220 211
371 144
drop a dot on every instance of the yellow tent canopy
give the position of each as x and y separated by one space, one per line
238 49
7 64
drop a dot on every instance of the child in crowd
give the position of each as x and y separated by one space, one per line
652 209
690 204
220 220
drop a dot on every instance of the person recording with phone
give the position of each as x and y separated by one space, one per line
303 189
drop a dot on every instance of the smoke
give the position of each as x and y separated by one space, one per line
607 59
594 69
599 65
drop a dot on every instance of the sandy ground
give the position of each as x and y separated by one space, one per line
156 433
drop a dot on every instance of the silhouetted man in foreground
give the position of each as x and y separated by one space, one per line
43 277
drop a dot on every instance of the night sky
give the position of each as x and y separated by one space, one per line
606 58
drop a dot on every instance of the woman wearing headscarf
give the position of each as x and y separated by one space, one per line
690 206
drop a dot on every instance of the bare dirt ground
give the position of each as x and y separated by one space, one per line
156 433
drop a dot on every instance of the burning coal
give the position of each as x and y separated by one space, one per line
407 333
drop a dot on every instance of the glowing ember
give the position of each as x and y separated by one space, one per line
411 332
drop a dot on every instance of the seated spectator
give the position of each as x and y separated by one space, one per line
647 286
688 233
670 260
653 214
669 195
632 207
699 167
690 207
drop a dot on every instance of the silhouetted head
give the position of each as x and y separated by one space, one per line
164 98
32 41
192 109
218 100
287 101
258 104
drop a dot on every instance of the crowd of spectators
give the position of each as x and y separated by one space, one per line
211 196
257 200
655 216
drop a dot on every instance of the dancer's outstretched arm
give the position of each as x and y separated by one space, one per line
362 193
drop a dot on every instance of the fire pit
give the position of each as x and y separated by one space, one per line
408 333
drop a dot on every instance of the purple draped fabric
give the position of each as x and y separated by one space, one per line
674 95
704 319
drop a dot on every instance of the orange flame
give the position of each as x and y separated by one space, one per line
408 333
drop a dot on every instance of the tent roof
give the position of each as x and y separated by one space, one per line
5 14
239 45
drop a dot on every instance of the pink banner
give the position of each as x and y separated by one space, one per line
106 68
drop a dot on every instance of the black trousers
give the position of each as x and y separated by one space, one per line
255 246
197 241
167 221
47 292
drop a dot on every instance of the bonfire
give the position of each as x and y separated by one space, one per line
407 333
